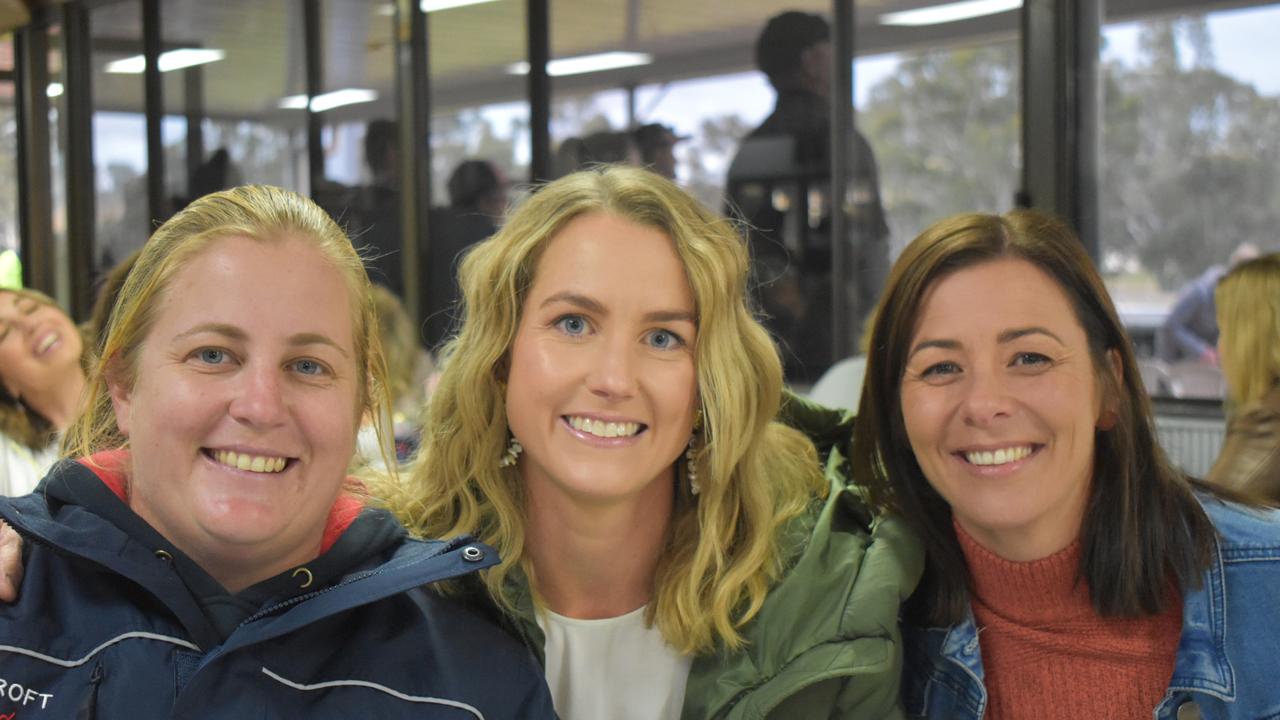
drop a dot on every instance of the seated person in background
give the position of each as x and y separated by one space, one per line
41 378
612 147
1003 416
657 143
409 366
1248 301
205 554
477 202
1190 333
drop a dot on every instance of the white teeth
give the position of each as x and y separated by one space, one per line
253 463
599 428
46 343
998 457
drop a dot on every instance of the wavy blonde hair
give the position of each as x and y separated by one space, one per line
263 213
723 552
1248 306
18 421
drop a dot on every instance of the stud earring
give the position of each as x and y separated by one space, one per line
514 448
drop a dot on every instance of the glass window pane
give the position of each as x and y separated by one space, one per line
1190 176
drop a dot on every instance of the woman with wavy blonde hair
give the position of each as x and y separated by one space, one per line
606 419
1248 306
42 355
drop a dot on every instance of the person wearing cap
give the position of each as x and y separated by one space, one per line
779 183
657 144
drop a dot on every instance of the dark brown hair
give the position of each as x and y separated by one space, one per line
1142 526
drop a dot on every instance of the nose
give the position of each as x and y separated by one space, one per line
612 374
987 399
259 400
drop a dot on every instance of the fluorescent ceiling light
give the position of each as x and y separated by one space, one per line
329 100
54 90
949 12
172 60
434 5
586 63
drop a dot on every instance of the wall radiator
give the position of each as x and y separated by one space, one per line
1192 443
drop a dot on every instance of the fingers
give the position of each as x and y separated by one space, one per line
10 563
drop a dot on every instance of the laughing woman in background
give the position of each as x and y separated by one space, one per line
41 378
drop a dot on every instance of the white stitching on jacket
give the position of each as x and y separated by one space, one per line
375 686
74 663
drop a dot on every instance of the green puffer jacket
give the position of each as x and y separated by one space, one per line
826 642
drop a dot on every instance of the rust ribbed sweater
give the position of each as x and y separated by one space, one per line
1047 655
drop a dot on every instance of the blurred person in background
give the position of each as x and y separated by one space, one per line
657 143
41 379
1248 309
1073 572
409 366
779 183
478 197
1190 333
613 147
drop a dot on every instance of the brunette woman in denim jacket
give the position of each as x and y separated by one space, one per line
1072 571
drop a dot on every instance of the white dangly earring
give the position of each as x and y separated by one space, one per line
691 466
691 455
514 448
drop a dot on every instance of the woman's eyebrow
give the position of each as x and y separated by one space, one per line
582 301
943 343
1015 333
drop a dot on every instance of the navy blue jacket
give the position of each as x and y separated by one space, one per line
99 631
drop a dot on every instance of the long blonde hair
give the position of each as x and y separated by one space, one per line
723 550
1248 306
260 212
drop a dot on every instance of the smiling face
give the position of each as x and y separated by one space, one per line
242 417
39 345
602 385
1001 399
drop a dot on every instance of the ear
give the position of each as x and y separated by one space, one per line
121 398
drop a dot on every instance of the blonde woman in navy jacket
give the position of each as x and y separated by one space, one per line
205 554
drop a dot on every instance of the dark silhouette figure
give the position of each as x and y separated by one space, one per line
779 183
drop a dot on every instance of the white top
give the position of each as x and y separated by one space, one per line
616 668
21 468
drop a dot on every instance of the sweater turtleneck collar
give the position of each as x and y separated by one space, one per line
1037 592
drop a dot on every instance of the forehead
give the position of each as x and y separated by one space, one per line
995 295
283 283
604 254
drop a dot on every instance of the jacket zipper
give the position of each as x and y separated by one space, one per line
89 708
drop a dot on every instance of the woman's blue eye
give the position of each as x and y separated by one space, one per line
572 324
664 339
309 367
212 356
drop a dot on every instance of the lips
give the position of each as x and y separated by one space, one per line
47 343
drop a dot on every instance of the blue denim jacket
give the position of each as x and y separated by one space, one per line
1228 660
